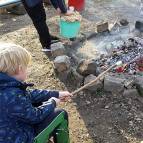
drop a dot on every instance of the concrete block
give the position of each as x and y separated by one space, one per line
114 84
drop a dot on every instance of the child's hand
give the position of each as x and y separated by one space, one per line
64 95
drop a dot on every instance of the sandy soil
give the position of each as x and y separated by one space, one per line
94 118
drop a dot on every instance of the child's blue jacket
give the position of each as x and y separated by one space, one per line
17 114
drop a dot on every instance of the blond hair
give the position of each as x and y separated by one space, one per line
12 56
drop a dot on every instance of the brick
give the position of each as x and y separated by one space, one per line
102 27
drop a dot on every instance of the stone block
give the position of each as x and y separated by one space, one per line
95 86
87 67
114 84
131 92
139 25
58 49
124 22
62 63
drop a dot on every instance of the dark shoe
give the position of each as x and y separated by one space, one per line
48 52
54 37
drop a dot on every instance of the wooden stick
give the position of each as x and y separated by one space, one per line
96 79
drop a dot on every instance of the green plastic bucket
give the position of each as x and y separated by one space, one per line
69 29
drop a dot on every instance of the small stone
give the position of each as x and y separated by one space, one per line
102 27
139 25
124 22
107 107
95 86
87 135
14 19
87 67
62 63
88 102
113 84
57 49
138 119
131 123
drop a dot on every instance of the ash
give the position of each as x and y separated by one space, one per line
130 53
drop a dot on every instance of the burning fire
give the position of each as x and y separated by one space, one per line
130 53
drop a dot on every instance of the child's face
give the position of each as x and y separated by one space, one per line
21 74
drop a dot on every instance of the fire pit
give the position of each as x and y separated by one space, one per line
92 55
130 53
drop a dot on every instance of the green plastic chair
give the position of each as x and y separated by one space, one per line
60 125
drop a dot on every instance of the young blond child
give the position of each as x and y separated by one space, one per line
20 119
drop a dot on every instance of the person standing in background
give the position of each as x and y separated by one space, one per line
36 11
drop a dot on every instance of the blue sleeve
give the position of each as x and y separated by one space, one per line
37 95
22 109
59 4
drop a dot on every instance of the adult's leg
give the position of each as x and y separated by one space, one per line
38 16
